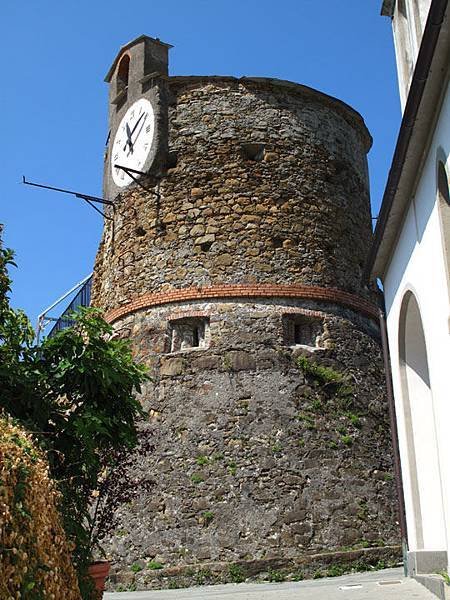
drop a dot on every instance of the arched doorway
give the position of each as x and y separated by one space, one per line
426 524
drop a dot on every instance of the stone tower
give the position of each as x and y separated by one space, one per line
233 264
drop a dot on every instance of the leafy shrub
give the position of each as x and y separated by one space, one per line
75 391
35 555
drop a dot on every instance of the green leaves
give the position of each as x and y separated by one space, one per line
76 392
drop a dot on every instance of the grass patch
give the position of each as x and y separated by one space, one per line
202 576
308 421
318 574
336 571
327 376
232 468
207 516
275 576
197 478
135 568
354 419
236 573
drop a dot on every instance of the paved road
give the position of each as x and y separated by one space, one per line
380 585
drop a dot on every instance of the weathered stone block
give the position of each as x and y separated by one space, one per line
172 366
224 260
241 361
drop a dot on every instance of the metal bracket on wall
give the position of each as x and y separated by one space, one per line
131 173
86 197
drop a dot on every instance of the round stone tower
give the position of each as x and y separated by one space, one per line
232 259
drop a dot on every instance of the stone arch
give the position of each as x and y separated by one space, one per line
426 523
123 71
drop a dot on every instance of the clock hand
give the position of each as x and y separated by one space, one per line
137 123
142 127
128 142
130 133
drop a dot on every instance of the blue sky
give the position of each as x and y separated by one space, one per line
54 101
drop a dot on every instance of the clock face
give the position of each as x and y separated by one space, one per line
133 141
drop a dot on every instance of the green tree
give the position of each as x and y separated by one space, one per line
76 393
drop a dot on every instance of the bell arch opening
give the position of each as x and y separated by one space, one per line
123 72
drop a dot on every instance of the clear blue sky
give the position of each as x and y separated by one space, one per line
53 103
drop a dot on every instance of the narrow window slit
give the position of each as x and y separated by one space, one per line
302 330
189 332
253 151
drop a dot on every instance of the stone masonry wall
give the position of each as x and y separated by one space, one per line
251 458
298 214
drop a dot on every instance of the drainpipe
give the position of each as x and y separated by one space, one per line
394 433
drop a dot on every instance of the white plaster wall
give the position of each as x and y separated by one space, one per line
424 7
418 264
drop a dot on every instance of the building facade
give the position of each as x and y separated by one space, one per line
411 256
232 259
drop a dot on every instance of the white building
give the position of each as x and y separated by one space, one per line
411 256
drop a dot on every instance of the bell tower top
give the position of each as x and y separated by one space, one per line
135 63
138 113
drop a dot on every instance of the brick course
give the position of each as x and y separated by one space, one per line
245 291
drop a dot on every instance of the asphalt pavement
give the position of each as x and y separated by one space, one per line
389 584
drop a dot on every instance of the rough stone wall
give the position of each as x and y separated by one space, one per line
253 459
249 457
299 215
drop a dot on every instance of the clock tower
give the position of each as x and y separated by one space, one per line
233 265
138 126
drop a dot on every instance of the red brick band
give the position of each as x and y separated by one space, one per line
245 291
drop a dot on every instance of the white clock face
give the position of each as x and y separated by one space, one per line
133 141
